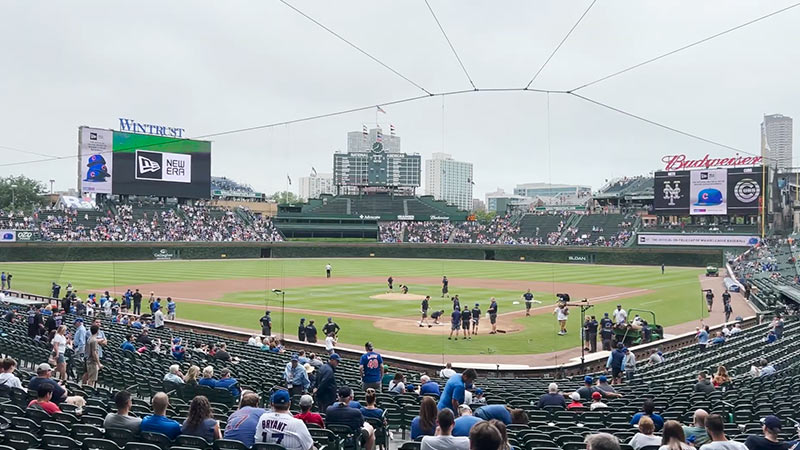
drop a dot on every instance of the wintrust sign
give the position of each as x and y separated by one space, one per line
133 126
681 162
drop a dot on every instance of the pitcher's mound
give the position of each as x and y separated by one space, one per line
397 296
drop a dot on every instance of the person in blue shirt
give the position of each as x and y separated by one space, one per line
465 421
428 387
371 410
171 308
229 383
616 362
455 323
702 338
155 305
241 425
648 409
158 421
296 377
718 339
771 337
453 394
499 412
80 337
425 423
371 368
177 349
208 378
136 324
128 343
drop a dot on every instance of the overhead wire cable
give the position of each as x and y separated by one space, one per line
461 63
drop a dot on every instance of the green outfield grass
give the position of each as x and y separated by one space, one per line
675 296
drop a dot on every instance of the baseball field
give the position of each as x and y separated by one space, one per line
235 293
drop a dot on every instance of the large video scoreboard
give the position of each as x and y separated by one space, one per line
376 168
709 191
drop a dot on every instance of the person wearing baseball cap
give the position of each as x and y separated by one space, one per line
576 401
597 401
343 414
43 373
295 376
326 382
305 414
241 425
279 427
771 426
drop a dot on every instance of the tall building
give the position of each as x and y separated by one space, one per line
449 180
315 185
776 140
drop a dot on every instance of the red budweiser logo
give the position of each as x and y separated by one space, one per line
681 162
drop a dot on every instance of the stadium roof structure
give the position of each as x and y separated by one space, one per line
628 188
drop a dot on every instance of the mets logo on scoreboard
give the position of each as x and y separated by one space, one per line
162 166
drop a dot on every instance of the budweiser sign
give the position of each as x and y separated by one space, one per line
681 162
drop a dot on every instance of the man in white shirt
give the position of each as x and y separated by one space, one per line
7 377
716 431
158 319
254 341
620 315
279 427
327 270
330 342
444 440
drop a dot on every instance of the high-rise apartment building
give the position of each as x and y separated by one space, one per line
315 185
449 180
776 140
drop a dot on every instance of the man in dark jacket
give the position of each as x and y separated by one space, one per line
266 324
616 362
311 332
301 330
326 383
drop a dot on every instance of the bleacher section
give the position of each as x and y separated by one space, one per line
541 225
597 225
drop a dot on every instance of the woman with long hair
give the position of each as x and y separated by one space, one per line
60 343
200 420
397 385
191 375
672 437
721 378
501 427
425 423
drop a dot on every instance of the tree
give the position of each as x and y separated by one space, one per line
284 197
485 216
20 193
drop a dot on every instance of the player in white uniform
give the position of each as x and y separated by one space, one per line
562 314
279 427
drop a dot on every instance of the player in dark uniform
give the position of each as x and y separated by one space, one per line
390 282
493 315
311 332
445 286
476 317
726 297
436 315
301 330
709 299
424 309
528 302
266 324
404 289
590 330
606 332
455 323
466 318
456 302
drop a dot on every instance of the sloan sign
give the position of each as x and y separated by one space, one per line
681 162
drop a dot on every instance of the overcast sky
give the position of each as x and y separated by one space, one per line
214 66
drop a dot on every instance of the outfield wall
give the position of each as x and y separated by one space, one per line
118 251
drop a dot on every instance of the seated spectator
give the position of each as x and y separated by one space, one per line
673 437
447 372
44 394
397 385
241 425
191 375
696 432
499 412
341 413
428 387
576 401
158 421
597 402
603 386
648 408
588 389
227 382
7 377
208 378
177 349
721 378
144 338
657 357
771 427
501 428
254 341
425 423
127 344
121 418
43 373
279 427
645 436
174 375
444 440
715 428
200 420
703 384
601 441
766 369
222 354
308 417
465 421
719 339
552 398
478 399
371 410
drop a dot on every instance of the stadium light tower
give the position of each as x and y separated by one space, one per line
283 310
51 185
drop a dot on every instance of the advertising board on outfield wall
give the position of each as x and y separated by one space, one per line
703 240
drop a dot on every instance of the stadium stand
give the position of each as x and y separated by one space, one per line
763 381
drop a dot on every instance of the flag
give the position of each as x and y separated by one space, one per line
364 132
379 135
380 110
289 179
314 171
391 129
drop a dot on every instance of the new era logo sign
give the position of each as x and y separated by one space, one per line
93 136
161 166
